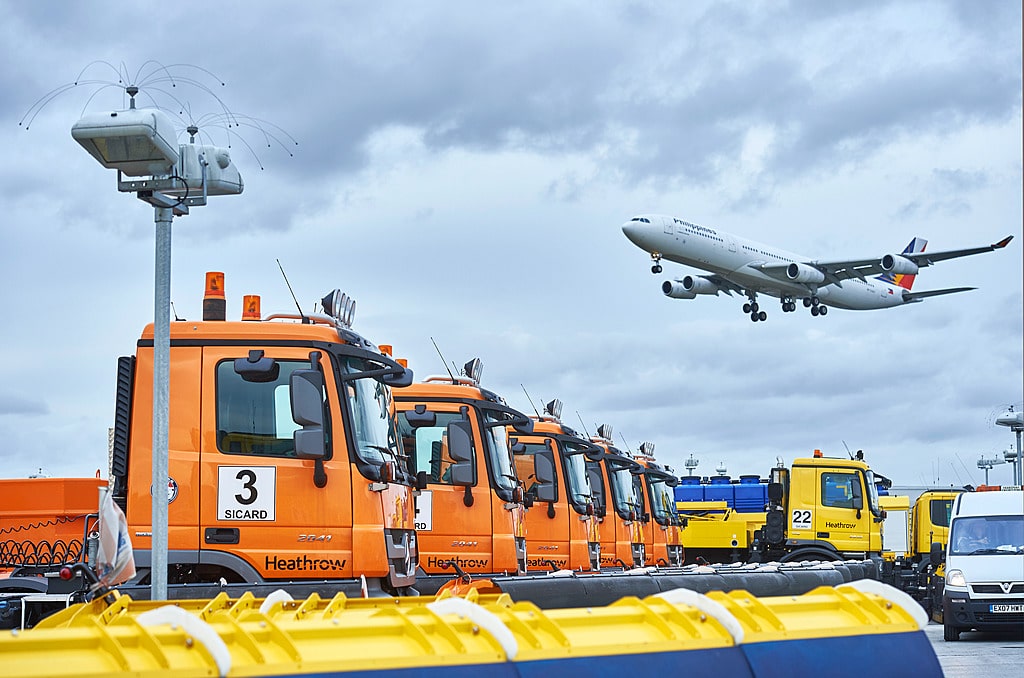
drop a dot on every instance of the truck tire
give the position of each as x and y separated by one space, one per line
950 633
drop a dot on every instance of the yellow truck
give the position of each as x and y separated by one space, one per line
818 509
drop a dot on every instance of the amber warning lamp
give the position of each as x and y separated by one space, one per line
251 307
213 299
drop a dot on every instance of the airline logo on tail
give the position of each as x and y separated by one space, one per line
916 246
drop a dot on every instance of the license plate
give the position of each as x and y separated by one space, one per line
1006 608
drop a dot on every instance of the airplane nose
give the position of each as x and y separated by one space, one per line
636 233
632 231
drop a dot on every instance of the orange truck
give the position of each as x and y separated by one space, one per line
285 465
561 526
469 508
665 543
617 487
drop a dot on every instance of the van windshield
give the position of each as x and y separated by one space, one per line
987 535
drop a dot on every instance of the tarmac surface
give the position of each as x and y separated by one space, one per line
979 654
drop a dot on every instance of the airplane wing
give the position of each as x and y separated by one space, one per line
838 270
910 297
723 284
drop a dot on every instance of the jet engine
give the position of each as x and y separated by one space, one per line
802 273
698 285
675 290
893 263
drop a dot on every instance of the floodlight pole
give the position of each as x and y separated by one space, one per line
161 399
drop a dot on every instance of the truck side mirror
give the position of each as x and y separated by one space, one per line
397 379
307 401
460 449
775 493
858 497
420 416
938 554
594 453
544 469
257 368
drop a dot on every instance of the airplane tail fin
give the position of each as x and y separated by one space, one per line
906 281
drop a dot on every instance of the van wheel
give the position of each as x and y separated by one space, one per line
950 633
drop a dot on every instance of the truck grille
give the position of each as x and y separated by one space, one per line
990 618
996 588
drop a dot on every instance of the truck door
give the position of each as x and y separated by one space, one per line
453 512
843 517
547 518
258 501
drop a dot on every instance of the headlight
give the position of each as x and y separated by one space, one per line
955 578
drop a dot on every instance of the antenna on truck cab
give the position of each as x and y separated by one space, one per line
582 424
531 401
305 320
443 361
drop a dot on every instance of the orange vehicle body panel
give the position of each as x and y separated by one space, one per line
329 532
617 535
561 535
480 537
50 510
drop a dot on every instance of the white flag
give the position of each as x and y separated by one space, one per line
115 562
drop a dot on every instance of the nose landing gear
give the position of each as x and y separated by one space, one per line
656 258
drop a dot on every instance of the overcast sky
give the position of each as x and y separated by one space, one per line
463 170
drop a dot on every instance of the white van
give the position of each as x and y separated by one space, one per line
984 587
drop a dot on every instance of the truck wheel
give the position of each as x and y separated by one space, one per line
950 633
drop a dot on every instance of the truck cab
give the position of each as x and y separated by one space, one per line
284 455
617 486
665 546
831 508
561 525
984 563
469 509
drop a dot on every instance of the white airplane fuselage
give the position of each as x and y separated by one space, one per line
737 259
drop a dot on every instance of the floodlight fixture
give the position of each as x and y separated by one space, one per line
554 408
605 431
138 141
474 369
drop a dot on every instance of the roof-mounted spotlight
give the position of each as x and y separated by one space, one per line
340 306
647 449
605 431
474 369
554 408
138 142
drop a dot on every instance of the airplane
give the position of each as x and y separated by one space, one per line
750 268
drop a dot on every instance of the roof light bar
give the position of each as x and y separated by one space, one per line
340 306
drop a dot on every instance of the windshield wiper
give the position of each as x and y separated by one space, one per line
988 551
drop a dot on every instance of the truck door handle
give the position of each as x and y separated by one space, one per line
221 535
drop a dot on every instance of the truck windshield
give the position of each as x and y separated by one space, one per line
498 453
872 494
374 433
663 501
576 479
987 536
624 491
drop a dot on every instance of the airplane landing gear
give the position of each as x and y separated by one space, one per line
817 308
754 310
788 305
656 258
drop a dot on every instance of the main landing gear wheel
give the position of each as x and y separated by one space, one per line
788 305
819 310
751 307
